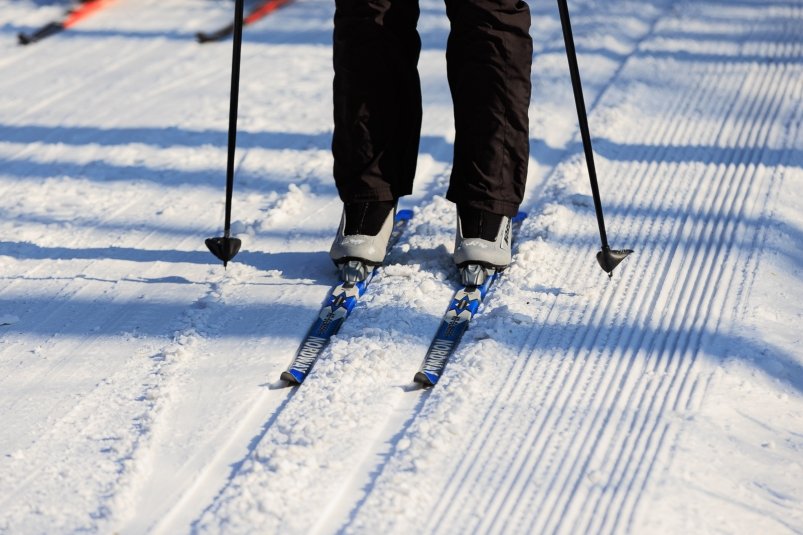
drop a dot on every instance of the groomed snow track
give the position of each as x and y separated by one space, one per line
138 380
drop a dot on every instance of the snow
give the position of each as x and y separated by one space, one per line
139 384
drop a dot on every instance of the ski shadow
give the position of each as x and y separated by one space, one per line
707 154
665 348
31 251
162 137
149 315
314 267
658 214
253 179
171 136
102 172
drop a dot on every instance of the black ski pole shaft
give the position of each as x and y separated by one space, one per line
608 259
582 117
226 247
233 104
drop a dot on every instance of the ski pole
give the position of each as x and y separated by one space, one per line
226 247
608 258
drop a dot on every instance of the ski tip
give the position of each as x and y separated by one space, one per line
426 379
204 38
24 39
214 37
519 217
277 385
404 215
294 377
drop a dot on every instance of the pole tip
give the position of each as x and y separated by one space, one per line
610 258
224 248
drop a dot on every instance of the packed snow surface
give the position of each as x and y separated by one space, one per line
139 384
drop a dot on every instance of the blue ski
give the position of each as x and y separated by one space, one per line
341 301
464 306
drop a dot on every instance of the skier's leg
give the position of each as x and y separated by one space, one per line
377 99
489 56
377 113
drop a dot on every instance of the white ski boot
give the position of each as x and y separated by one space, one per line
362 239
488 248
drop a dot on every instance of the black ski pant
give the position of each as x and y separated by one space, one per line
377 100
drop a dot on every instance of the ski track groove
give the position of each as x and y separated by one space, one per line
660 147
491 419
645 302
410 403
260 407
66 294
653 396
64 299
759 167
272 401
680 393
55 134
687 340
624 451
155 377
413 409
471 462
479 445
525 387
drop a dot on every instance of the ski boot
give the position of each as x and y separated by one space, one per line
362 239
482 246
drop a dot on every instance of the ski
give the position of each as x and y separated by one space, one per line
81 11
341 301
464 306
259 12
